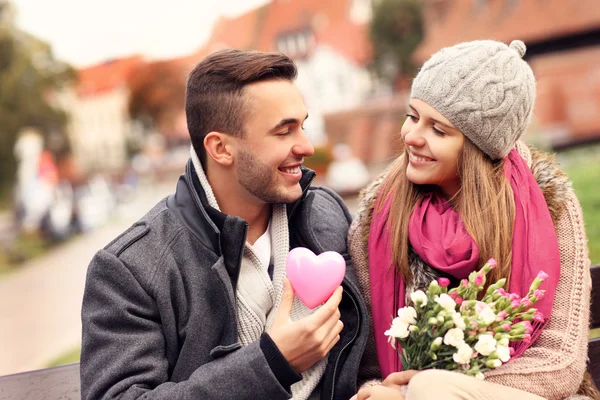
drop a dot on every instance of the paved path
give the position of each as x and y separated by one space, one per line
40 305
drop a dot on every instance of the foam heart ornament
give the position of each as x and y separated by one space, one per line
314 278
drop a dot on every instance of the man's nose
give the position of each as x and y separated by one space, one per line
303 147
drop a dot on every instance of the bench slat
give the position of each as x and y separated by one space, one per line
595 303
594 360
51 383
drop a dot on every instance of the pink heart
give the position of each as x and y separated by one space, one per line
314 278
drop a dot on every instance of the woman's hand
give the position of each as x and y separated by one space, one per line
379 392
398 379
390 388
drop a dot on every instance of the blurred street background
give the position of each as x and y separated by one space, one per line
93 130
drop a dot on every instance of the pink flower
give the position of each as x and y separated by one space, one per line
527 338
538 317
506 327
526 302
458 300
515 304
443 282
502 292
465 283
511 351
542 275
514 296
501 315
528 327
538 293
479 280
492 262
453 295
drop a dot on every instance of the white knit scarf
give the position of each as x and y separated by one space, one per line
258 297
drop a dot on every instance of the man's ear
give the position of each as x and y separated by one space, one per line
219 147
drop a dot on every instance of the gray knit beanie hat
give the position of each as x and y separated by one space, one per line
484 88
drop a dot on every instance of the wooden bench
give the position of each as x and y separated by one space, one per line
594 344
63 382
56 383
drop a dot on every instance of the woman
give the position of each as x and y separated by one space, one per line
465 190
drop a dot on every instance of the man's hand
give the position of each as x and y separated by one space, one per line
308 340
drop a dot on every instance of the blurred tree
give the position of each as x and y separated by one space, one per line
29 75
396 30
157 94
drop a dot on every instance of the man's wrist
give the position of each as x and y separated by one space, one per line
283 371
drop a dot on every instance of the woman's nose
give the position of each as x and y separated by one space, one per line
414 137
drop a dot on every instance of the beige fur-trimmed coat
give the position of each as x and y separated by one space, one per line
554 366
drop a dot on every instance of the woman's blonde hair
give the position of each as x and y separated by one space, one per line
484 201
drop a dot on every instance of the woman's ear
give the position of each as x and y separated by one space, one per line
219 148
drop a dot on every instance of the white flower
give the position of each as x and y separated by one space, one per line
407 315
479 376
419 298
454 337
399 329
486 345
446 302
437 341
459 322
503 353
486 314
463 354
503 342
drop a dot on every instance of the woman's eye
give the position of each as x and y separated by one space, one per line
413 118
438 132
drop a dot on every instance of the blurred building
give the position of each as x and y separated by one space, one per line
563 48
99 122
327 39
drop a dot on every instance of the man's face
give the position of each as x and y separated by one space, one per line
269 156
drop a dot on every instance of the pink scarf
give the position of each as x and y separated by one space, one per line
439 237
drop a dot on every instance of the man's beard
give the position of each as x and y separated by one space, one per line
258 179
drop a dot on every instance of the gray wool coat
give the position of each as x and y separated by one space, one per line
159 311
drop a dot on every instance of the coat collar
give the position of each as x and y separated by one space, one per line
190 205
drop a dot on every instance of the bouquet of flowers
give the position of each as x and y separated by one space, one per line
453 330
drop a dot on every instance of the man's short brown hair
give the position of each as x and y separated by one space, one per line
214 98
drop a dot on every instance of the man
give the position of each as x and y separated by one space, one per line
192 301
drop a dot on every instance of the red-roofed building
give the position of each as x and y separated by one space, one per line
99 123
327 39
563 48
107 76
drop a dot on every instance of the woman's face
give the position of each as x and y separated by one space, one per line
434 146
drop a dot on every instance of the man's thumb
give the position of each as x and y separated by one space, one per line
287 298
